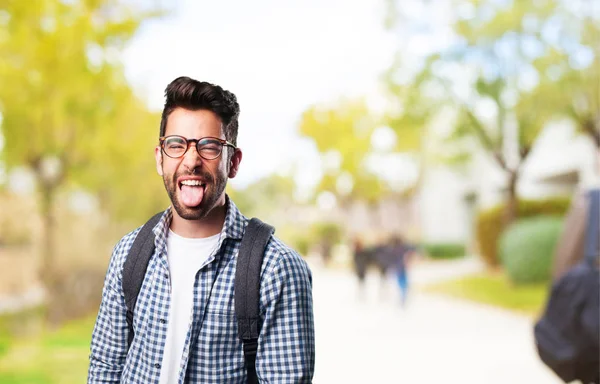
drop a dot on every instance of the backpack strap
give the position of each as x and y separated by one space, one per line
135 267
247 287
592 236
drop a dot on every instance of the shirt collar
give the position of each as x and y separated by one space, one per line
235 222
233 228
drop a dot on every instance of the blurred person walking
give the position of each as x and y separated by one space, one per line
402 254
373 256
361 263
184 327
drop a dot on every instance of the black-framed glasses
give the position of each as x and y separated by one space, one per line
209 148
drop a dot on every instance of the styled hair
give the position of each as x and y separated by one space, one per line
194 95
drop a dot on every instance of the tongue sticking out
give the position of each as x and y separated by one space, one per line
192 195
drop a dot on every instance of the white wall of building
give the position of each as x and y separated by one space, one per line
445 215
443 212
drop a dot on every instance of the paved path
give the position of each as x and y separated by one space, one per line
434 340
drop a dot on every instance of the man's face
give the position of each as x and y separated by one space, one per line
182 175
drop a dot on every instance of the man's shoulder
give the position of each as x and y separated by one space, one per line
279 255
277 247
121 249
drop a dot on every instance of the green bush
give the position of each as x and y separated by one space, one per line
527 248
444 250
489 223
52 356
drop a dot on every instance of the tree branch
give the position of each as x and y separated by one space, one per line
478 128
484 138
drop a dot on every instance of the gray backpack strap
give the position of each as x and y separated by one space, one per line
592 236
135 267
247 287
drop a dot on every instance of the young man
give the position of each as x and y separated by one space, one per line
184 319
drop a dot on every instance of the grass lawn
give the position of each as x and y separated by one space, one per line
54 357
495 289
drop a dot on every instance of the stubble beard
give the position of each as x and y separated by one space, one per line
212 192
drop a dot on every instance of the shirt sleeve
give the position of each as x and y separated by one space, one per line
109 339
286 345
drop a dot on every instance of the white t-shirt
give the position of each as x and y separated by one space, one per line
185 257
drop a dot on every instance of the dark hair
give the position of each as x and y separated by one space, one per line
184 92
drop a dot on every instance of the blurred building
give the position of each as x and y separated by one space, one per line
560 162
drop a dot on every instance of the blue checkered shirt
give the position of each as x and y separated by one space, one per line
213 353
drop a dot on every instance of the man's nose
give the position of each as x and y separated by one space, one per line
191 158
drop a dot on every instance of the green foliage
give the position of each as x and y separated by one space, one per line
122 172
298 238
5 337
15 325
65 101
53 357
512 43
497 290
490 223
64 95
301 244
444 250
503 70
265 198
4 345
51 86
527 249
327 232
415 109
343 131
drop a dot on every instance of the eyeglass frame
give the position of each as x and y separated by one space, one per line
224 143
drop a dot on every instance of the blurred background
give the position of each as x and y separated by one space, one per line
467 127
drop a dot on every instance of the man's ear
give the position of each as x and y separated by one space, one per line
234 162
158 158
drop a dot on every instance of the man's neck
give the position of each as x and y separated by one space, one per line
211 225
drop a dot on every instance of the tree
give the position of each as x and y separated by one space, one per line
61 89
413 110
268 198
506 56
570 70
120 167
342 133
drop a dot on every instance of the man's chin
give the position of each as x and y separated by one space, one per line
190 213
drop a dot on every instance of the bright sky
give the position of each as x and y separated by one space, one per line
278 57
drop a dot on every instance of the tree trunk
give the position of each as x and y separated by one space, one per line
511 210
590 128
47 182
48 251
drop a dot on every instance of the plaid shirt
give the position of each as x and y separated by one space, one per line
213 353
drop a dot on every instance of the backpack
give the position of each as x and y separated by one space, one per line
247 282
567 336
